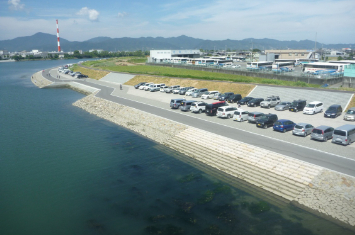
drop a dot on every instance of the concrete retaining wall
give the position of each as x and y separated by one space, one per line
259 75
349 82
324 191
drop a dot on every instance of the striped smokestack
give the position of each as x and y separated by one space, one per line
58 37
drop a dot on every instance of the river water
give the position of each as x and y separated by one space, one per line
64 171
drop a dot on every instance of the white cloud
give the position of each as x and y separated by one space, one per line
92 13
121 14
16 5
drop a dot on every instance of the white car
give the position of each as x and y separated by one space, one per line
198 107
240 115
162 88
226 111
189 92
235 66
313 107
177 90
146 85
209 95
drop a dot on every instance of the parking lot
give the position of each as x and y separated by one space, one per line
162 100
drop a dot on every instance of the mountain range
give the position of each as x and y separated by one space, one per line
48 42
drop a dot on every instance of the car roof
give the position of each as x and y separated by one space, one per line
322 127
219 102
256 112
334 105
302 124
315 102
284 120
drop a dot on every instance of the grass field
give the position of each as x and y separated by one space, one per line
196 74
94 74
243 89
352 103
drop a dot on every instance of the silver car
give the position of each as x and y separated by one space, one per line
350 114
198 94
253 116
282 106
302 129
322 133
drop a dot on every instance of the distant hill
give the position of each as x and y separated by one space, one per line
48 42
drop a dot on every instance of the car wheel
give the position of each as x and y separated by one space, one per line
200 111
228 116
254 105
325 139
305 134
265 126
268 106
241 120
313 113
284 131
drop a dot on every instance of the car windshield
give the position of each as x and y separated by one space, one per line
351 112
220 109
262 119
317 131
332 109
283 103
298 127
310 105
278 123
268 100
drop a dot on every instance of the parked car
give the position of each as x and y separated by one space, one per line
139 84
297 105
211 109
199 92
216 96
253 116
175 103
333 111
323 133
240 115
189 92
184 90
81 76
225 96
270 101
226 112
245 100
171 88
198 107
350 115
162 88
302 129
266 121
282 106
313 107
177 90
145 85
209 95
186 104
234 98
154 87
283 125
344 134
255 102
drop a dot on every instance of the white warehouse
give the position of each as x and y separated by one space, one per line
163 55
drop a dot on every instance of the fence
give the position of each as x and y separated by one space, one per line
295 76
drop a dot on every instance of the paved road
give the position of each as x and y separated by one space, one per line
314 156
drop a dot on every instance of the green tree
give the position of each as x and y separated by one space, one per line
340 58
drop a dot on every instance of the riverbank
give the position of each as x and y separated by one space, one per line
317 189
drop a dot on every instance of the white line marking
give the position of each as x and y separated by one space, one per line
252 90
348 102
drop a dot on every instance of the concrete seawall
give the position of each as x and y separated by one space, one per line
317 189
312 187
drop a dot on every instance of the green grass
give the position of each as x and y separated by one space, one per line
196 74
137 60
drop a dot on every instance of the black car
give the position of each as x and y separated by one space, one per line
139 84
225 96
211 109
297 105
245 100
267 120
333 111
81 76
234 98
184 90
255 102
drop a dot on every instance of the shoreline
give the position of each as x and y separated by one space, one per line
308 186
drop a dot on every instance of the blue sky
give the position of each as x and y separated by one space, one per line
332 20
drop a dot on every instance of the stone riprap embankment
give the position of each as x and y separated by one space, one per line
313 187
151 126
39 80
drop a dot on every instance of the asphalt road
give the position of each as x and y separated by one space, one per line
313 156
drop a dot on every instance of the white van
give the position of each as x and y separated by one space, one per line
344 134
313 107
209 95
240 115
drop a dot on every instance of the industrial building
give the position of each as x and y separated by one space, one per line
163 55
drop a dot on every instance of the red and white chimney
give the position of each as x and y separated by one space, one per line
58 37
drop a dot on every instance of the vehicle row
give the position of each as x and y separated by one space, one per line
311 108
71 73
343 135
